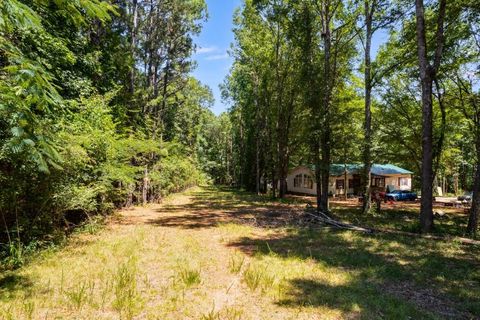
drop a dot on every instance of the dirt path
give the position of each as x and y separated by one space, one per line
168 261
217 254
187 229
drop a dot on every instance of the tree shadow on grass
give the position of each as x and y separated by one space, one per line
385 268
11 283
355 300
422 272
451 224
211 207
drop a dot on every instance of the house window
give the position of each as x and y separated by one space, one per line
297 181
340 184
307 182
378 182
403 182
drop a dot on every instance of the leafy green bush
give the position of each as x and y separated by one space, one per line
98 170
79 136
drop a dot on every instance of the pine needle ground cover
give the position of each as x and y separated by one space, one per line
204 254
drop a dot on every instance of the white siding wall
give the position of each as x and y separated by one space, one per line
301 189
333 185
389 180
304 170
394 181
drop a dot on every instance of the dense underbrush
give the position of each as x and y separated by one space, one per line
93 169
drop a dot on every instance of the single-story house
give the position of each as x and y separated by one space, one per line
347 178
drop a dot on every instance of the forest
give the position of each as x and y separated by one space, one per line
125 194
313 83
99 108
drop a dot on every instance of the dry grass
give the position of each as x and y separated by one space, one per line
197 256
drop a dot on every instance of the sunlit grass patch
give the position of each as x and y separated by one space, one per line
188 275
235 229
127 299
253 276
78 295
236 262
231 231
237 271
258 276
227 313
86 277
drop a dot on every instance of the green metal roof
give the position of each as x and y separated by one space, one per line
337 169
382 169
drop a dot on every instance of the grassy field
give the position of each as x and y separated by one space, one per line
400 215
215 253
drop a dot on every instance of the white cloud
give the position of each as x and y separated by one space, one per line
217 57
207 50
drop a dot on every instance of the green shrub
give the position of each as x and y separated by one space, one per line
98 169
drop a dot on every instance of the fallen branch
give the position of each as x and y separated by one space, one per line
324 218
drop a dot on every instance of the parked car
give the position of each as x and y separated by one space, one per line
401 195
467 196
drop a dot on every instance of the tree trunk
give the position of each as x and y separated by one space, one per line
318 176
282 127
426 213
145 186
367 157
257 164
455 183
283 157
274 184
326 130
129 201
242 154
133 43
283 170
475 210
427 76
325 170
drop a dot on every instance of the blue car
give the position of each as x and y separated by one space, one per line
401 195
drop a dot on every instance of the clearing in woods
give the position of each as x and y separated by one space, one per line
213 253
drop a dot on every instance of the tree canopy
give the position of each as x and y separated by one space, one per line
306 88
99 108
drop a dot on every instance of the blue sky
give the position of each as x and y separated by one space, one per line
213 44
